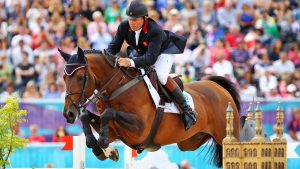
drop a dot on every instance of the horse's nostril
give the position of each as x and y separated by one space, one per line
71 114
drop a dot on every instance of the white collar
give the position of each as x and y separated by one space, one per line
138 31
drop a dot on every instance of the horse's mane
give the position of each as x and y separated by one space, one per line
74 59
75 62
93 51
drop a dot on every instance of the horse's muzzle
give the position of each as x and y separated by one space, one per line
71 115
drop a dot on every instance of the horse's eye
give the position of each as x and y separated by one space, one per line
80 78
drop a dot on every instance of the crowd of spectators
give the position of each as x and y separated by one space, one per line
254 43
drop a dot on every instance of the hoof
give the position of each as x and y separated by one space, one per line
114 155
99 153
103 142
91 141
139 151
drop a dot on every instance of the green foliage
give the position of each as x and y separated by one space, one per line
10 117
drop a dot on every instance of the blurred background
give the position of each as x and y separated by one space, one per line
254 43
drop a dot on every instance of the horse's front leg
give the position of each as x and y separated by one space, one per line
86 119
128 121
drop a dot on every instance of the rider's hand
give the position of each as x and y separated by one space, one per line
124 62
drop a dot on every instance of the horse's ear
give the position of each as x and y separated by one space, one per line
64 55
80 54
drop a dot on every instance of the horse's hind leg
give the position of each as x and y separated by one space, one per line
199 139
193 142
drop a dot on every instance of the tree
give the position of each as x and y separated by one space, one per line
10 117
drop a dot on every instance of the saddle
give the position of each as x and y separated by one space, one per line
163 93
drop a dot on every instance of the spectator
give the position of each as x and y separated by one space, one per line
268 23
295 79
240 59
52 92
222 67
98 23
294 54
22 35
31 91
101 39
283 66
17 52
218 49
4 49
188 73
173 19
90 7
44 51
201 57
206 15
75 9
294 125
214 33
112 12
286 90
227 16
262 65
187 13
233 36
9 91
292 91
24 71
267 82
246 18
34 135
276 49
42 36
273 94
18 131
247 91
59 33
60 134
5 72
252 37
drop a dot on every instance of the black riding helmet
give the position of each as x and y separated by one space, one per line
136 9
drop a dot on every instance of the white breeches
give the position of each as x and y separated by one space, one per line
163 67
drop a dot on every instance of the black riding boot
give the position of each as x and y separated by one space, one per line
189 116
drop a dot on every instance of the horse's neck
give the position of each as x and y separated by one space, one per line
102 70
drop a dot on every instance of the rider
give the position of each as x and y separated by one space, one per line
150 45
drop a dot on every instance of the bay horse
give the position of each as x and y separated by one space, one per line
128 114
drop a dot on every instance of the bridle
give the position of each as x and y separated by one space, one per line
99 94
83 101
80 104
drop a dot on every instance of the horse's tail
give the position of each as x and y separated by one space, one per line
226 84
217 152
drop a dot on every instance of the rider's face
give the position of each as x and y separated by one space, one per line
136 23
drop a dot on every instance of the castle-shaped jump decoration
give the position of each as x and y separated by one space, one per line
258 153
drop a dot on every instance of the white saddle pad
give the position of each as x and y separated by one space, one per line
169 107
